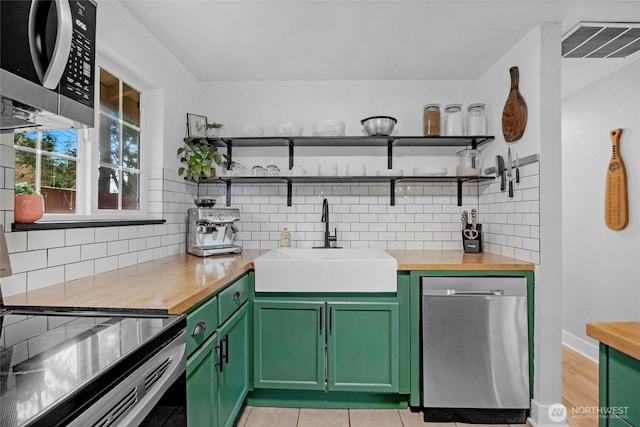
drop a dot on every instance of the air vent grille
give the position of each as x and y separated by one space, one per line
154 376
601 40
119 409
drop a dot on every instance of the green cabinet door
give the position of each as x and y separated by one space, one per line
363 346
288 344
233 380
624 386
202 385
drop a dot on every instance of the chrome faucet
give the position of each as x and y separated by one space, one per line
328 238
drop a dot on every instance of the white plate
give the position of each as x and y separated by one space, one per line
389 172
434 171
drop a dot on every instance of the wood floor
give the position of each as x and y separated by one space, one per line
579 389
579 395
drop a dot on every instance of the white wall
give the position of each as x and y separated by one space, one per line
538 57
601 268
125 45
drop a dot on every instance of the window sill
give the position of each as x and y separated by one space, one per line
61 225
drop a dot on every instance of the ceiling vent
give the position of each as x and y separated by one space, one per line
601 40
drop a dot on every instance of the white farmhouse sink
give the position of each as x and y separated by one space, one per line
326 270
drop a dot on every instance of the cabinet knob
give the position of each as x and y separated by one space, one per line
199 328
237 296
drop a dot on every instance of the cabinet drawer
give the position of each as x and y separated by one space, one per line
201 324
231 298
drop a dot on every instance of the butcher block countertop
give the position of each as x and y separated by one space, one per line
457 260
623 336
176 283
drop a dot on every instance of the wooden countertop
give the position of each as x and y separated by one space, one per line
457 260
172 284
175 283
623 336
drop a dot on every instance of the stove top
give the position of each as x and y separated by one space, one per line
48 359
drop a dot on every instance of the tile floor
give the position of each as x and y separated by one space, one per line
306 417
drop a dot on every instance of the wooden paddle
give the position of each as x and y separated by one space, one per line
514 114
615 203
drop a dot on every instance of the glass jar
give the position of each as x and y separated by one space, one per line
469 163
476 120
431 120
453 120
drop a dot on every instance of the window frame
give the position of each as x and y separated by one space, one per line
88 165
119 213
80 173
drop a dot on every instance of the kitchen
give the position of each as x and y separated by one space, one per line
171 91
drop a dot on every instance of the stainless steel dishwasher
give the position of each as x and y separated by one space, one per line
475 352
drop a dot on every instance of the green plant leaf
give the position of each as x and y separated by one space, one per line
181 171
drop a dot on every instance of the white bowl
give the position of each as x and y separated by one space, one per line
356 169
430 171
252 131
288 129
389 172
329 127
327 169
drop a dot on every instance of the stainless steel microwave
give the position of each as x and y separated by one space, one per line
47 63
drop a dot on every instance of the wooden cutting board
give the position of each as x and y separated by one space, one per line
615 203
514 114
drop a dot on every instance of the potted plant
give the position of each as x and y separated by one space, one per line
29 204
198 156
213 130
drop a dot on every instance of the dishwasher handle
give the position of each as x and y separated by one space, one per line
454 292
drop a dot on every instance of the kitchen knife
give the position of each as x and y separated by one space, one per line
517 169
500 171
510 172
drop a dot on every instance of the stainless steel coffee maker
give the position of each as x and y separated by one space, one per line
210 231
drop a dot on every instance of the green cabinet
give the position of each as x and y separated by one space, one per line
233 374
289 345
202 378
619 388
326 345
218 370
363 347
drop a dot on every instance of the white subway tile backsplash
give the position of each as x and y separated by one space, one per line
118 247
37 279
26 261
126 260
15 284
78 270
105 264
16 241
105 234
61 256
79 236
127 233
44 239
93 251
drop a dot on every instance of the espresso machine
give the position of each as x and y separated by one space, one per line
210 231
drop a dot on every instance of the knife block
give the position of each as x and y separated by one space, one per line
473 246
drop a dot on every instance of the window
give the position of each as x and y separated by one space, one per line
118 145
48 161
58 163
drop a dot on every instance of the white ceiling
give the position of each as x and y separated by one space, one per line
355 40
